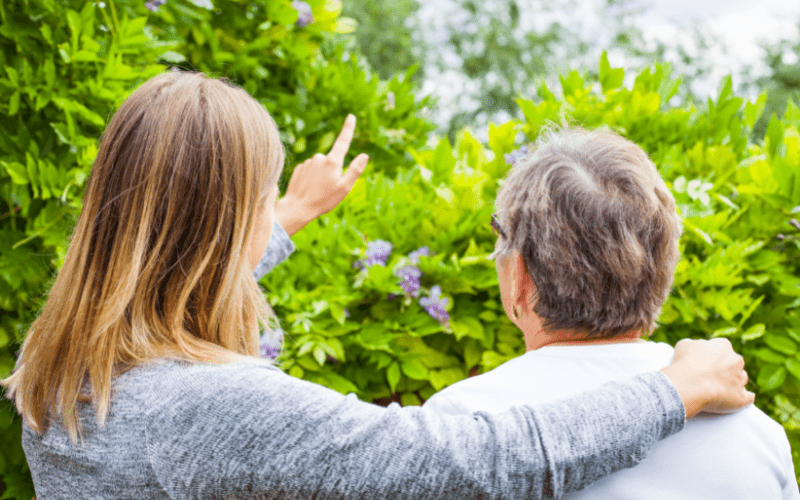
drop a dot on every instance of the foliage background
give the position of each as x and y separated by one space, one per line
68 64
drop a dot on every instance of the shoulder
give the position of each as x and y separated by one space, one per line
486 391
159 383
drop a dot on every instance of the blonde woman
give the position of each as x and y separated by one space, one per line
141 377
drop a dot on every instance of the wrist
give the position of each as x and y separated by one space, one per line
693 389
291 216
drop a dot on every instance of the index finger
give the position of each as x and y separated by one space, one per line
342 143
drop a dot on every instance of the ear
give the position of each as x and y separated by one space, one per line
522 288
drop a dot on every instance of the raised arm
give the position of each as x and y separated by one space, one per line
316 187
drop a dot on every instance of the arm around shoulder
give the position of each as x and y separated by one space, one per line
234 430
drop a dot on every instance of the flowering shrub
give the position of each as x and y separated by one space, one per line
67 65
406 322
738 277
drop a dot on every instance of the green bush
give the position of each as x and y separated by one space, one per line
64 69
67 65
736 278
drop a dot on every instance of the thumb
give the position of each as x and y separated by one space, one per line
355 170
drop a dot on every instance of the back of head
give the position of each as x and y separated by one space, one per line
156 265
597 229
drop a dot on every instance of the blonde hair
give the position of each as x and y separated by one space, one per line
597 229
157 266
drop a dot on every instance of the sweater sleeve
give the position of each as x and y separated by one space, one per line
254 432
279 248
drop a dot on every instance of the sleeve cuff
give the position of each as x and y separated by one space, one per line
279 248
673 409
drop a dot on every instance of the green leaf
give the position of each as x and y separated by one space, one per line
393 375
337 311
319 355
771 377
375 336
415 370
446 376
17 171
443 159
326 142
793 333
571 84
75 24
472 354
769 356
774 136
610 78
793 366
13 104
410 399
754 332
781 344
131 29
308 363
339 383
13 75
724 332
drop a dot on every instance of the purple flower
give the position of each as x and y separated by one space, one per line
435 305
516 155
269 351
416 254
304 15
153 5
377 253
410 276
794 223
271 344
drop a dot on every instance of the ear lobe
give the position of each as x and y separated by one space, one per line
522 287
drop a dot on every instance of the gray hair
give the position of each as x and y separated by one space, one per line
597 229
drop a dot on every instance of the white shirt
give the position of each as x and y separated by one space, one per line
744 455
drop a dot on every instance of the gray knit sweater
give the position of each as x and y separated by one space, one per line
181 431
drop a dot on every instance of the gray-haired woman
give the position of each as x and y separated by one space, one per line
147 348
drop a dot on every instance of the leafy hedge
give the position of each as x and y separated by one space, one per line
361 319
68 64
352 323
